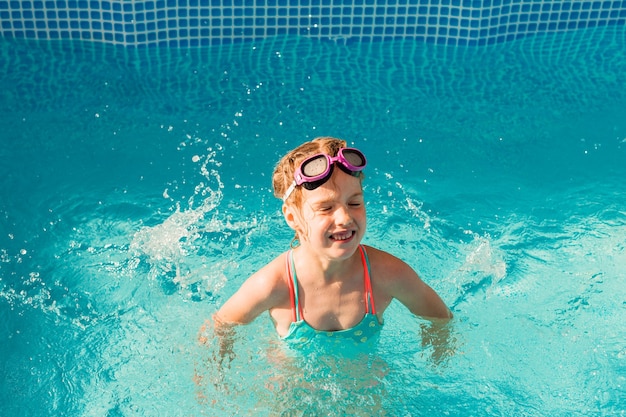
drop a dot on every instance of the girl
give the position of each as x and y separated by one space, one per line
328 287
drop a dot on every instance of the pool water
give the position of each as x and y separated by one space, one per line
136 198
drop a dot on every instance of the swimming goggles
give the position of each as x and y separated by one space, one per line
317 169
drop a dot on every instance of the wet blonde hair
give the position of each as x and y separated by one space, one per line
286 168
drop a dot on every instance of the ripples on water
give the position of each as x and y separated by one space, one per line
136 198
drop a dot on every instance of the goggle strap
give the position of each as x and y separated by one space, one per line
289 191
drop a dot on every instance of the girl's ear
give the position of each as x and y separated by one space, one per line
293 217
290 217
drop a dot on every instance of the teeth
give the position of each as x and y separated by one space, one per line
342 236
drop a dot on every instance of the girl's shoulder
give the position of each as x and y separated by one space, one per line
381 258
272 280
386 267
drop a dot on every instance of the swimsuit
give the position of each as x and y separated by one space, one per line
301 333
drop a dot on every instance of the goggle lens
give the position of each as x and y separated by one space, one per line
314 167
354 157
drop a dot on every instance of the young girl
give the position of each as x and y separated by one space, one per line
329 287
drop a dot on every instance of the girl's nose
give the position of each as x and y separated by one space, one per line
343 216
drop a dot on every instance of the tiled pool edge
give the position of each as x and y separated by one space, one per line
190 23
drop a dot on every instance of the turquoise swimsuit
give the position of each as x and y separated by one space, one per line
301 333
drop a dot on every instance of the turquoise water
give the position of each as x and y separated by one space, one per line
135 198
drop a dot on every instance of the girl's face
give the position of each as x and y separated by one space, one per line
333 216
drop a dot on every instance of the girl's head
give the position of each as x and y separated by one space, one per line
295 196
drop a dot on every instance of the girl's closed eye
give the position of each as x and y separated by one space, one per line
356 202
322 206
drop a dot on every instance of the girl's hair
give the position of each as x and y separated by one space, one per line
286 168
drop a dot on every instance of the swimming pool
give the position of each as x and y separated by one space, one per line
136 198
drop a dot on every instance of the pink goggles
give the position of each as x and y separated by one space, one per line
317 169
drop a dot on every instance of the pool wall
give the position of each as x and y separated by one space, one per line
189 23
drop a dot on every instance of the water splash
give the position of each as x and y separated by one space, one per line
185 251
481 272
483 260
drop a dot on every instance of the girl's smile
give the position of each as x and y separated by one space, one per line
343 236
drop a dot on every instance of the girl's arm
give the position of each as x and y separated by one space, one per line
417 296
262 291
400 281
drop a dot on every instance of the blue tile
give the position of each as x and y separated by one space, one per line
436 20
